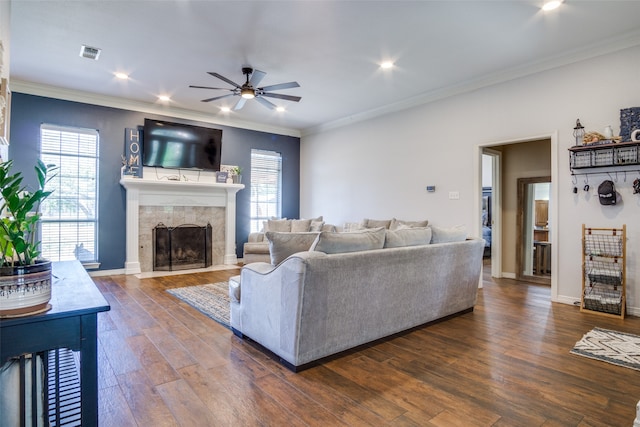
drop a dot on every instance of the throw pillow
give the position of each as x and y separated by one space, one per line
407 237
363 240
375 223
446 235
284 244
300 225
352 226
316 225
278 225
396 223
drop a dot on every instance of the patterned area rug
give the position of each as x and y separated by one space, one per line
618 348
211 300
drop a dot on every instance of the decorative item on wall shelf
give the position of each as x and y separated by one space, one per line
629 122
578 132
25 279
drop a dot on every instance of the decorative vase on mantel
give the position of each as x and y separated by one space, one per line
25 290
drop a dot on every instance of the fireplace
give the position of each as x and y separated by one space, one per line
151 200
184 247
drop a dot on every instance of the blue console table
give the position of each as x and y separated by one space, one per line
71 323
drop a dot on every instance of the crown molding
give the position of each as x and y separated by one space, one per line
142 107
601 48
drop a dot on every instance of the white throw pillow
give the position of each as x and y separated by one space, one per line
375 223
409 236
300 225
282 245
397 223
446 235
355 241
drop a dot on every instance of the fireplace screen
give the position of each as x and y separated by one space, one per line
183 247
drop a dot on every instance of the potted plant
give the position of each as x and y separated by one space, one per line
236 174
25 280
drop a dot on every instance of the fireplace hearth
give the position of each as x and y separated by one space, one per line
184 247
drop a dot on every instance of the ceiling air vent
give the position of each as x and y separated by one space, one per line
90 52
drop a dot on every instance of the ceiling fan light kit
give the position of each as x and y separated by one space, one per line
249 89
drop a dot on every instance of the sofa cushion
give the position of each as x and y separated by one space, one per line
278 225
375 223
362 240
446 235
300 225
410 236
351 226
281 245
396 223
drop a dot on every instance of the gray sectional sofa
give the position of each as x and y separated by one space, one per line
316 303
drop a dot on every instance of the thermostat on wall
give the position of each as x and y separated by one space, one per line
431 188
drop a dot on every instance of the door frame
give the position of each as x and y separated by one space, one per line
520 241
553 200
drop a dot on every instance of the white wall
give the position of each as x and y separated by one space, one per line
379 168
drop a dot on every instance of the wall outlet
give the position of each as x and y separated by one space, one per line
454 195
431 188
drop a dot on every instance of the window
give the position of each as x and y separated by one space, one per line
266 187
70 215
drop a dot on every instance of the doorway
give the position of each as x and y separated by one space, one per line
518 158
533 236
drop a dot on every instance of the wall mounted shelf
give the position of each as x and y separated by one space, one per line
604 155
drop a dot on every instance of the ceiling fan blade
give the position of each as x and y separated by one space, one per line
265 103
209 87
218 97
281 96
256 77
280 86
240 103
224 79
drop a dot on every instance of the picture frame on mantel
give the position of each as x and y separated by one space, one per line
5 111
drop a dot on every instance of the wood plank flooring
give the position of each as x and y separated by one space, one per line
162 363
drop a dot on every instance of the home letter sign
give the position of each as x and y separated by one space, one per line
131 162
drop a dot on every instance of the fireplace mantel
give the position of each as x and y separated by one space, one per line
151 192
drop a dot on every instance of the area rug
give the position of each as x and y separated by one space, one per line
618 348
212 300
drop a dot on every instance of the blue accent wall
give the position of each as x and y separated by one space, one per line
28 112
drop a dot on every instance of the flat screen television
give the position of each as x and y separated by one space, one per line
180 146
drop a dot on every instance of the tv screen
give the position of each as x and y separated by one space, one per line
178 146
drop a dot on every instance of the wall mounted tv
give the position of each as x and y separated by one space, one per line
179 146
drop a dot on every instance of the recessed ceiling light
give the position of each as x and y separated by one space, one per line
386 65
280 109
122 76
551 4
164 98
225 109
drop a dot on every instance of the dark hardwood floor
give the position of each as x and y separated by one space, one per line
162 363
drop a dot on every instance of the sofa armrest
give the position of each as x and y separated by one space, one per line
255 237
270 303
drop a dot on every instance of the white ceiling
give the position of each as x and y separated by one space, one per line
331 48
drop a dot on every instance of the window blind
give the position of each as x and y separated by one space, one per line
70 215
266 187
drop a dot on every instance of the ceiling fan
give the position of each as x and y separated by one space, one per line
249 89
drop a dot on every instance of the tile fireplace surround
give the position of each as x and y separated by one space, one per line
168 194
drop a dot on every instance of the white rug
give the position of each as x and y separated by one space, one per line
212 300
618 348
